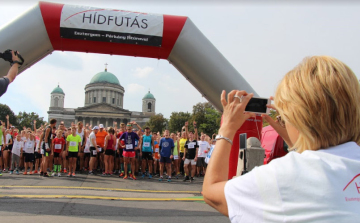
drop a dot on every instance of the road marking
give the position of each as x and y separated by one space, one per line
101 188
101 197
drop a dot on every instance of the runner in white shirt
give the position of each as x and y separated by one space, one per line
87 150
318 103
16 151
204 148
29 146
37 154
93 149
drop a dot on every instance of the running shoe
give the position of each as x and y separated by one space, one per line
125 177
191 179
73 174
35 172
169 180
52 174
143 175
150 176
133 177
103 174
0 174
25 173
91 173
121 174
186 178
45 175
69 175
31 173
160 179
11 172
65 171
17 172
59 174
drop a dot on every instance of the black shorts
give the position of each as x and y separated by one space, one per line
165 160
29 157
73 154
92 149
147 156
46 154
181 155
137 155
121 153
37 155
87 155
201 162
56 155
8 147
102 150
0 151
110 152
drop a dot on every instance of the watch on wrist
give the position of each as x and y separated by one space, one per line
218 137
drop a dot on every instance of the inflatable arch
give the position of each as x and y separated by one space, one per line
49 26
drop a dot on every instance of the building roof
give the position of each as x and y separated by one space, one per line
149 96
58 90
105 77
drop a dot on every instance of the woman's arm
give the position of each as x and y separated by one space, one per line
218 169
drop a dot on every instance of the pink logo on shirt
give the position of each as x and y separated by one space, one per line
356 182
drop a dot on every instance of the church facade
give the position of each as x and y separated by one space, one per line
104 97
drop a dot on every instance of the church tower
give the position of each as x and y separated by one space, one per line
148 103
57 99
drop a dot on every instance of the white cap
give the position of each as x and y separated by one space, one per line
95 127
101 126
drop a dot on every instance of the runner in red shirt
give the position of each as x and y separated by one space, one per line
58 146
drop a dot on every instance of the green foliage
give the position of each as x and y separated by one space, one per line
212 124
199 115
27 120
273 115
177 120
157 123
4 111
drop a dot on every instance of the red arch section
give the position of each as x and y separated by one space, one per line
51 14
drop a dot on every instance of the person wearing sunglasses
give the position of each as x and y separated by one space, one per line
319 105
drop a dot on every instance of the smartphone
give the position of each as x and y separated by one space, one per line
258 105
242 140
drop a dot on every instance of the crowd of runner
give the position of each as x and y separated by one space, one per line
128 152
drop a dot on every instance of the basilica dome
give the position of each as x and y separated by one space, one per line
105 77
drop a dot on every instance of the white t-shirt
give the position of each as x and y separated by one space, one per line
92 136
203 146
314 186
8 137
29 146
37 145
17 145
87 146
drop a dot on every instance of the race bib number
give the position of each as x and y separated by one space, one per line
146 144
73 143
191 145
100 149
129 146
176 157
57 146
94 152
157 150
42 152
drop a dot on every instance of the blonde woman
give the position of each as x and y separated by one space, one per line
319 104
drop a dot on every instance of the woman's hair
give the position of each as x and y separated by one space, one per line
321 98
111 131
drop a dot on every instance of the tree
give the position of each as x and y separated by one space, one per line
273 115
4 111
212 124
177 120
27 120
157 123
198 115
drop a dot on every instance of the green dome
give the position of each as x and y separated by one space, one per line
58 90
105 77
149 96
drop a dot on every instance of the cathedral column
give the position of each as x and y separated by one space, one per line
107 122
91 121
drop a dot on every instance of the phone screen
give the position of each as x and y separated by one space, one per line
257 105
243 141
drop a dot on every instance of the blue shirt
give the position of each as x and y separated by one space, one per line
146 143
129 139
166 145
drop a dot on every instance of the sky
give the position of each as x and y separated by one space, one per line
262 40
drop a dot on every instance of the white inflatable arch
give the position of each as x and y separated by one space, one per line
49 26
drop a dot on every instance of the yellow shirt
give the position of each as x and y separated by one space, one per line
182 145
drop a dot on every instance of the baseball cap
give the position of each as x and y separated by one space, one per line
95 127
101 126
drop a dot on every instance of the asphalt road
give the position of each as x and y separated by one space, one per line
102 199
